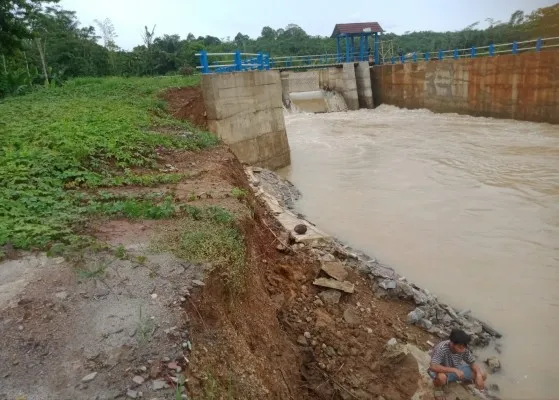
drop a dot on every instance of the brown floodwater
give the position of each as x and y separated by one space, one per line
466 207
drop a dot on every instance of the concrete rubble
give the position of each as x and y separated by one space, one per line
430 314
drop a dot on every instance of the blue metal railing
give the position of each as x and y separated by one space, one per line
233 62
472 52
238 61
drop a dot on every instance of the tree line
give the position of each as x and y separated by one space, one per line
43 44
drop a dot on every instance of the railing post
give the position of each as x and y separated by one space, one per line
260 60
491 49
339 56
402 59
539 43
427 56
414 56
347 48
376 49
440 54
515 47
473 52
456 54
238 61
393 60
204 62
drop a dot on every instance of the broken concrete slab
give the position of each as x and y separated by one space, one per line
335 269
345 286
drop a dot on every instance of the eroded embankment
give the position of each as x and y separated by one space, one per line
207 299
130 315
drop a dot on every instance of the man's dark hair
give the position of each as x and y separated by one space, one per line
458 336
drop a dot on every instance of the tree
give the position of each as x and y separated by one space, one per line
15 17
516 18
109 35
544 22
147 37
268 33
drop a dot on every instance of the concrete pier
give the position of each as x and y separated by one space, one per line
245 110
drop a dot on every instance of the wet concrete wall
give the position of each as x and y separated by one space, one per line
523 86
351 80
245 110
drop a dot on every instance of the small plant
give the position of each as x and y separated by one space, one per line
144 328
96 272
180 387
219 214
120 252
211 388
192 196
214 390
141 260
56 250
194 212
239 193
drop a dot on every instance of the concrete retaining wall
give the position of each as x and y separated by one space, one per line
523 86
245 110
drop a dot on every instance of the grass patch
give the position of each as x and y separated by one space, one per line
239 193
134 208
210 235
214 389
130 179
95 272
89 132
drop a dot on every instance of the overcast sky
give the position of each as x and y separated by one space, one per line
224 18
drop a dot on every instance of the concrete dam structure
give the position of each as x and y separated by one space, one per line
514 86
245 109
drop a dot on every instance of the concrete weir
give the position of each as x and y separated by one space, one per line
316 90
245 110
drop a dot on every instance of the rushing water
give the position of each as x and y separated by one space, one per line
466 207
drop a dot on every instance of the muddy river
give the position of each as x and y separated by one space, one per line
466 207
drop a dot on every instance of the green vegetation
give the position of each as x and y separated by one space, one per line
135 209
213 389
129 178
90 132
95 272
209 235
144 328
120 252
239 193
47 46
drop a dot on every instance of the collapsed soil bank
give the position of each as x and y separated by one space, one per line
125 320
121 320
